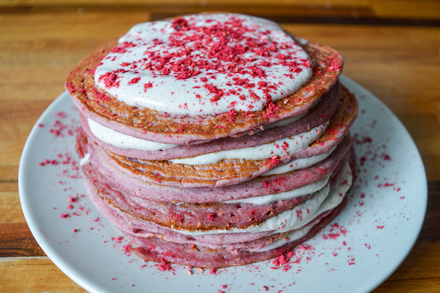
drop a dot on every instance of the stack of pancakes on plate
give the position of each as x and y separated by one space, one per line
214 140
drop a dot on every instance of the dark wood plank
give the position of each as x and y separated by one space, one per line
16 240
10 186
430 230
283 13
27 275
429 285
424 255
286 9
8 173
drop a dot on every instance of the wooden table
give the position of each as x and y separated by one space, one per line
391 47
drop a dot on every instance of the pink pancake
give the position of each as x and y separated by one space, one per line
207 253
258 186
318 115
205 216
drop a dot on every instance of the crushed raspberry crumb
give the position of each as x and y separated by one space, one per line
164 266
134 80
273 161
127 249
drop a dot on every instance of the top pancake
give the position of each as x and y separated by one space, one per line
158 126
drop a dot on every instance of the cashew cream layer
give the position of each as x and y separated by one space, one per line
147 66
322 201
277 148
304 190
295 235
125 141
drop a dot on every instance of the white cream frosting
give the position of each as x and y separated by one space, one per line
322 201
284 122
282 147
85 160
304 190
167 93
295 235
299 164
125 141
277 148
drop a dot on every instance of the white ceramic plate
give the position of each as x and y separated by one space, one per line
375 232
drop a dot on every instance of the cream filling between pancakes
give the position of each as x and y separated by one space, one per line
278 148
125 141
295 235
299 164
322 201
304 190
282 147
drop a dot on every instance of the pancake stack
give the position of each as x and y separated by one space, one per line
214 140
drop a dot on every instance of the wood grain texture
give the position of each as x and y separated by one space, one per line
17 240
34 274
391 48
10 208
390 12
